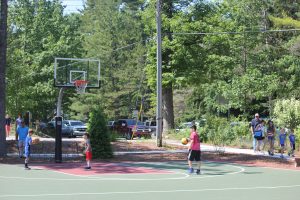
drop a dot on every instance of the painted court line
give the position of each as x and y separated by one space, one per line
89 178
156 191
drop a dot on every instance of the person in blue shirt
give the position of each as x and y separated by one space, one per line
282 137
292 139
254 124
18 124
22 132
28 142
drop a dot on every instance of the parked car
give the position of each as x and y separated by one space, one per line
78 127
49 130
151 125
130 128
111 125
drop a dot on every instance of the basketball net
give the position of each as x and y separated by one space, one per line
80 86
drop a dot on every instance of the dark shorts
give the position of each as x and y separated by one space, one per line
194 155
260 138
270 138
293 146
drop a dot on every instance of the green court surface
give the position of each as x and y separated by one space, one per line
152 180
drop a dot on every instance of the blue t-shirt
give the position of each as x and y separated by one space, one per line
292 138
19 122
282 138
255 123
22 132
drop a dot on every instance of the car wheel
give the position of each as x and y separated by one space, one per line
71 135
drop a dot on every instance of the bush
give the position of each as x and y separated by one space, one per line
287 113
100 137
219 132
113 136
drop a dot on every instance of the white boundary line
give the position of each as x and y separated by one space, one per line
90 178
155 191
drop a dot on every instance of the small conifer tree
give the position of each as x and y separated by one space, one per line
100 139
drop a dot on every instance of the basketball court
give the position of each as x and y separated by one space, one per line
147 180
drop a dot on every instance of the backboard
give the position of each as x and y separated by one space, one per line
68 70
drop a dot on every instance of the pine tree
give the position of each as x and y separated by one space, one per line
100 140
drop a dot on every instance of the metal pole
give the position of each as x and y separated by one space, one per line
58 128
159 76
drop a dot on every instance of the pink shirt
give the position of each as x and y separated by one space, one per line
196 141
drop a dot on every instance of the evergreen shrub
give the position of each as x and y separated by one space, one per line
100 137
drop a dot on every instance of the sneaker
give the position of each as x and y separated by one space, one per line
198 172
269 152
87 168
191 170
27 168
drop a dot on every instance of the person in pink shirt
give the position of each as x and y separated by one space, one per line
194 151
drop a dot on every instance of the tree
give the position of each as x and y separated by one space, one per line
100 138
113 34
39 32
3 46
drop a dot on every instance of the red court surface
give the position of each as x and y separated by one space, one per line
101 169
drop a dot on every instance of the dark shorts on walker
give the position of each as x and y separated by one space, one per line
194 155
293 146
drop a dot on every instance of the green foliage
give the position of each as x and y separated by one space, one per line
287 21
113 34
113 136
287 113
100 138
38 32
220 132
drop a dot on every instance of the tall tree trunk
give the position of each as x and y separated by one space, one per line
168 109
3 45
167 90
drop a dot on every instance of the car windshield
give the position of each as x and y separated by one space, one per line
77 123
132 122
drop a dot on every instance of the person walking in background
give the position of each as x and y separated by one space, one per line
18 124
194 151
254 123
261 136
22 133
7 125
282 137
292 139
271 137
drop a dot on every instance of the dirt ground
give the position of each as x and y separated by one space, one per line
129 146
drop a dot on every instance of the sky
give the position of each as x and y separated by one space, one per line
73 5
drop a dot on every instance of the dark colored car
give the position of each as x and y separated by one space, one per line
49 130
130 128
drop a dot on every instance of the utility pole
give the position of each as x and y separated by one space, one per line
3 49
159 76
58 128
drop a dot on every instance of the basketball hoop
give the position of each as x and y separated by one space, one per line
80 86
